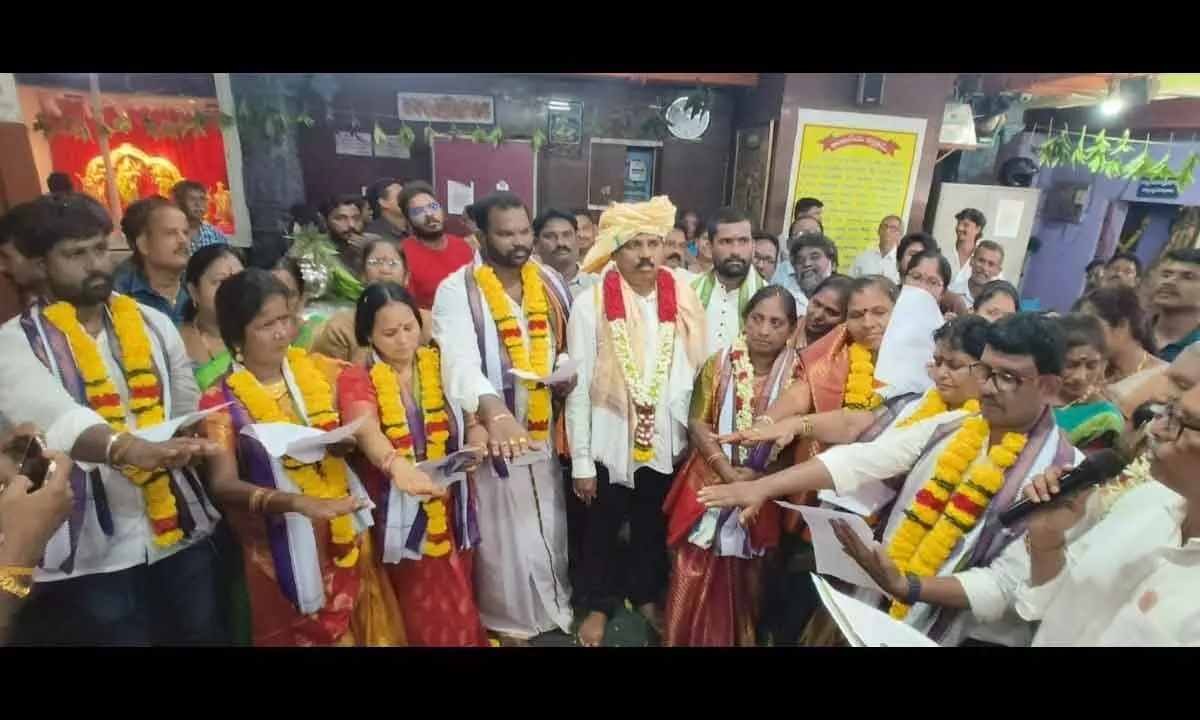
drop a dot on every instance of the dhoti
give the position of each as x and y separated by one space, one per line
521 567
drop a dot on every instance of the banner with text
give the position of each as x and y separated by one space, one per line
861 167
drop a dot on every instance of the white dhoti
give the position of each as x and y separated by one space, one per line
521 581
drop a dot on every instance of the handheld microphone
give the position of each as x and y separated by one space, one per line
1092 471
1144 413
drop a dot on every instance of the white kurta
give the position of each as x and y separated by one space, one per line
1128 581
521 581
132 542
871 262
597 434
991 590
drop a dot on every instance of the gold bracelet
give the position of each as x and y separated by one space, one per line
11 585
806 428
712 459
764 419
263 504
256 500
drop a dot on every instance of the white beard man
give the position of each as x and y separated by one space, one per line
519 311
639 339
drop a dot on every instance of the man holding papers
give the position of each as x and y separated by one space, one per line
954 473
501 314
639 338
133 564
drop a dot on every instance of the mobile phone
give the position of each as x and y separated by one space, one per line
29 457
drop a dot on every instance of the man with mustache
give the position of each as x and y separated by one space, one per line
639 339
133 564
432 253
157 233
344 223
728 286
556 240
948 567
813 258
518 312
1176 297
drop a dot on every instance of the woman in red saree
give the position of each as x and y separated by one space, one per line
311 576
426 546
715 583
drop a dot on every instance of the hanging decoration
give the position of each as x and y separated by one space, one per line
72 116
1115 157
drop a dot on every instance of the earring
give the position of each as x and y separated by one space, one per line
238 357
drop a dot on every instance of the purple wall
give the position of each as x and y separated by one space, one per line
1055 274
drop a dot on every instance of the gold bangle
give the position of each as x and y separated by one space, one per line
263 504
11 585
256 500
806 428
712 459
764 419
120 449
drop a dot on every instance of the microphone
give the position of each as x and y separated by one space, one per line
1144 413
1094 470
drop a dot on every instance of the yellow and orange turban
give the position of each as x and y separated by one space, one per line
622 222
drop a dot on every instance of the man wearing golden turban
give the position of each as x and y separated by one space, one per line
728 286
639 339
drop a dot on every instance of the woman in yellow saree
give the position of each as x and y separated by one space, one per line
310 572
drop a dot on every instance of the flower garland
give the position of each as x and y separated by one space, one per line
949 505
537 358
324 480
394 418
743 398
932 406
860 385
145 402
645 397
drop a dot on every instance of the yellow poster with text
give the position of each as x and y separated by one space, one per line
860 175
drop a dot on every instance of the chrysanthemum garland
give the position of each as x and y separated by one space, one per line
860 385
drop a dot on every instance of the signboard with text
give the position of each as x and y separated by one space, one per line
1158 190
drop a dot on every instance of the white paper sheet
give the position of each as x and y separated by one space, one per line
863 625
298 441
165 431
459 196
446 471
1009 214
865 501
831 558
907 345
567 369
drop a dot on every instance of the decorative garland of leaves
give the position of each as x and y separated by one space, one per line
1106 156
159 123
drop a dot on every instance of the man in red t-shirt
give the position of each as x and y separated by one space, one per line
431 252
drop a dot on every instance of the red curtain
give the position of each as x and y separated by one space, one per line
152 149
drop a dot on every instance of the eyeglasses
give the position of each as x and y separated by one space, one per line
391 264
1005 381
430 208
1173 424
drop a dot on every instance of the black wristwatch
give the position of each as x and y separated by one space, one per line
914 590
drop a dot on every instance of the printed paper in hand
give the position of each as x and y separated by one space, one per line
566 370
866 500
863 625
165 431
446 471
298 441
831 558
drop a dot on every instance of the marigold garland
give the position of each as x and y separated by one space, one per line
932 406
324 480
145 401
394 418
860 385
644 396
950 503
537 358
743 386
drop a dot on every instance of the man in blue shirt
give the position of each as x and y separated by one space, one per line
192 199
158 235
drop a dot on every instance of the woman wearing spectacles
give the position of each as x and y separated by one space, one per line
383 261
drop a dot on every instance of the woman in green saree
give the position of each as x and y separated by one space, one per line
1088 418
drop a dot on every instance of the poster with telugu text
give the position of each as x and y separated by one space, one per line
862 167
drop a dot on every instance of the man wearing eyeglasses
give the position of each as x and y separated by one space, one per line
432 253
959 584
1125 575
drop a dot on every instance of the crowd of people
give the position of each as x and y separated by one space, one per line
521 430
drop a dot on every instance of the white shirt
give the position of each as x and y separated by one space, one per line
581 281
991 591
1128 581
793 286
132 542
871 262
724 316
960 284
596 434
